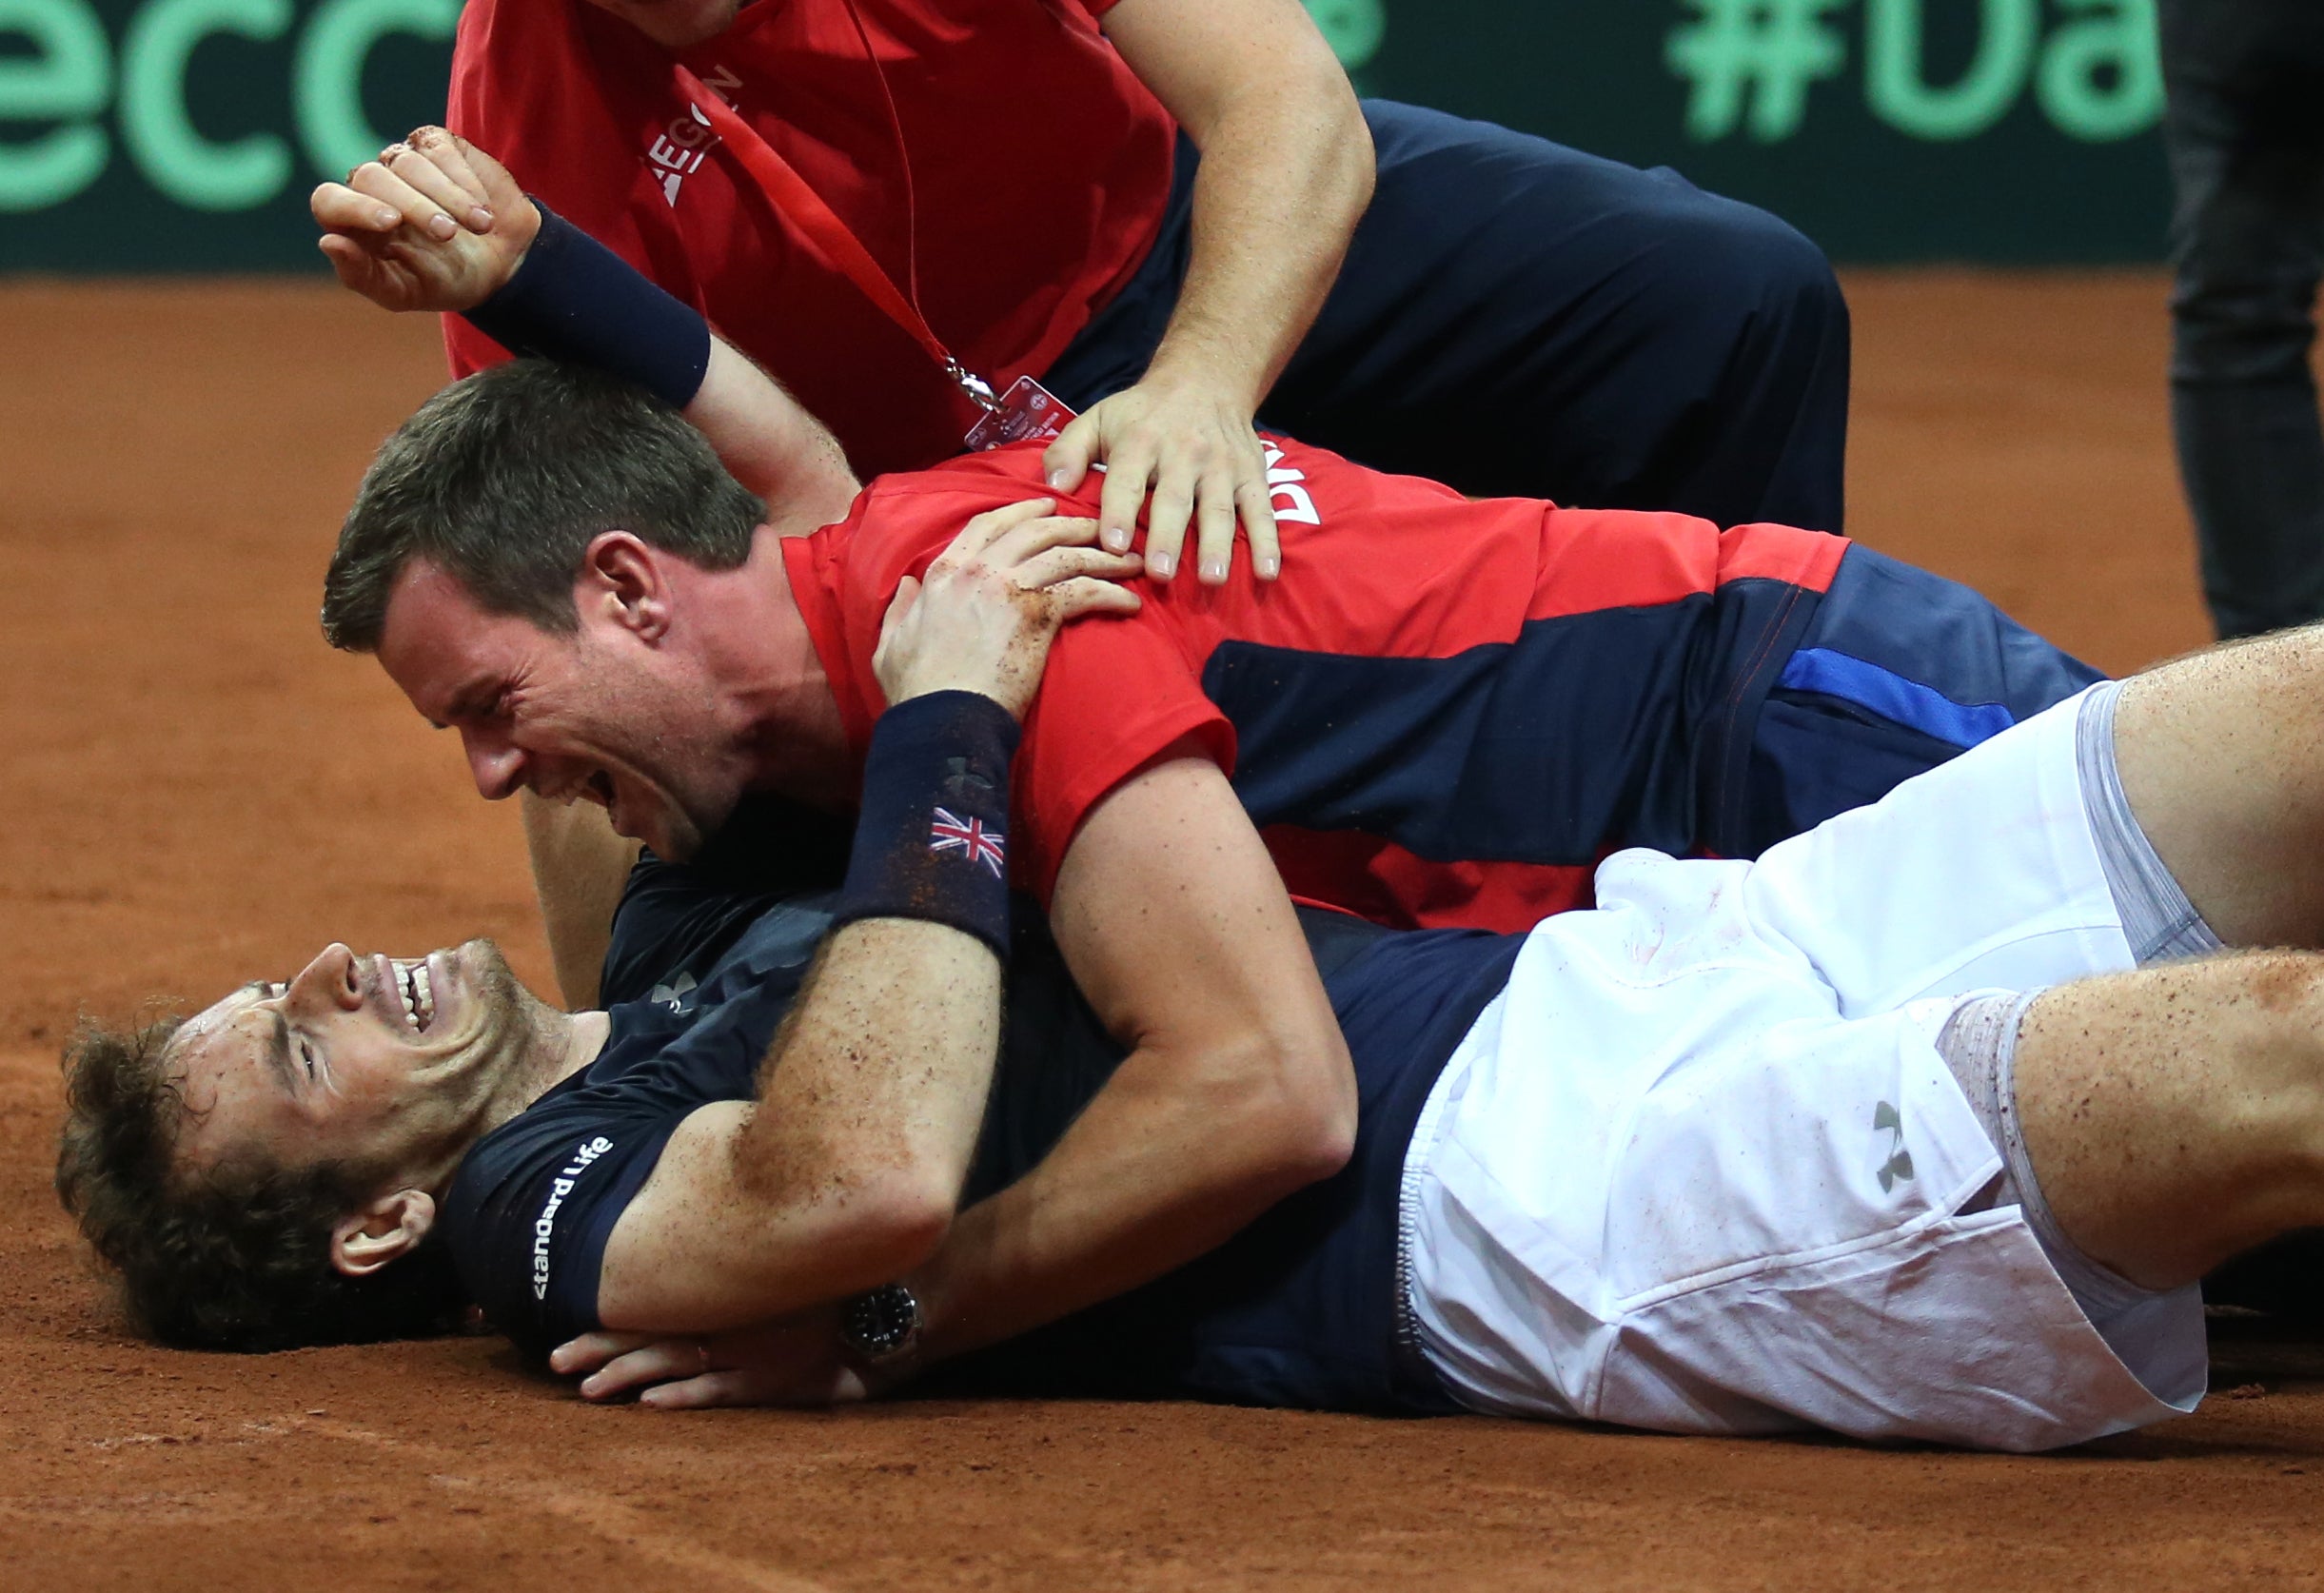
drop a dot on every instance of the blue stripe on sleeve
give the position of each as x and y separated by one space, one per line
1893 697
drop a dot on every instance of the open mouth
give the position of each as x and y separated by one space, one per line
419 997
600 787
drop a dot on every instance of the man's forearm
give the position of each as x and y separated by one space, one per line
565 295
846 1169
884 1064
1281 187
1287 168
882 1069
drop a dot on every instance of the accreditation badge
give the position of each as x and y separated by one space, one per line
1027 412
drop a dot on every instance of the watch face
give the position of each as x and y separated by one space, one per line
882 1322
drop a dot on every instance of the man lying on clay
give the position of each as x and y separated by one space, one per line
1921 1125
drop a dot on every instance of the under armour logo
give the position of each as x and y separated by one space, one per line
673 994
1900 1164
964 785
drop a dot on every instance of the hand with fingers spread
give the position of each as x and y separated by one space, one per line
1193 447
434 224
982 618
795 1360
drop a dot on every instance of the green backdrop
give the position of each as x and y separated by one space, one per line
183 136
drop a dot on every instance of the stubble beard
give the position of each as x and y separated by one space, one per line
522 1036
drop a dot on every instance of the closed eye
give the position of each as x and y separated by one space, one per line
482 709
472 708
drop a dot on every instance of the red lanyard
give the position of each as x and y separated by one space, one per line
791 195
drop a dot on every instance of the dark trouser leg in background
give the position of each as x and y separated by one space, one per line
2245 134
1518 317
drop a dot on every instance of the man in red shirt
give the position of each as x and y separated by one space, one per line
1509 316
1443 714
1460 708
1447 723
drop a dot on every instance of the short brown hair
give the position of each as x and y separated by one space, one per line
501 479
236 1256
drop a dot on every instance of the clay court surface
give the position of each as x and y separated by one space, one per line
198 792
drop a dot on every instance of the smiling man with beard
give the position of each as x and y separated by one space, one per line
382 1073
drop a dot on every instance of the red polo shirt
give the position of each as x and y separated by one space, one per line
1444 712
1038 168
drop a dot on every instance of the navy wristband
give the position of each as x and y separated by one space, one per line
573 299
930 842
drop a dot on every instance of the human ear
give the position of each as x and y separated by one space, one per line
390 1227
621 579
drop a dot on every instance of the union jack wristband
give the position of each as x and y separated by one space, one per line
930 840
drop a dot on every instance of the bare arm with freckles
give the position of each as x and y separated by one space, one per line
845 1170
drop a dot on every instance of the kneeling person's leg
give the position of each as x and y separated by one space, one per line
579 866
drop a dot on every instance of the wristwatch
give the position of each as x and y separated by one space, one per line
882 1325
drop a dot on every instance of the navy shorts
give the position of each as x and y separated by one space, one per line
1897 671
